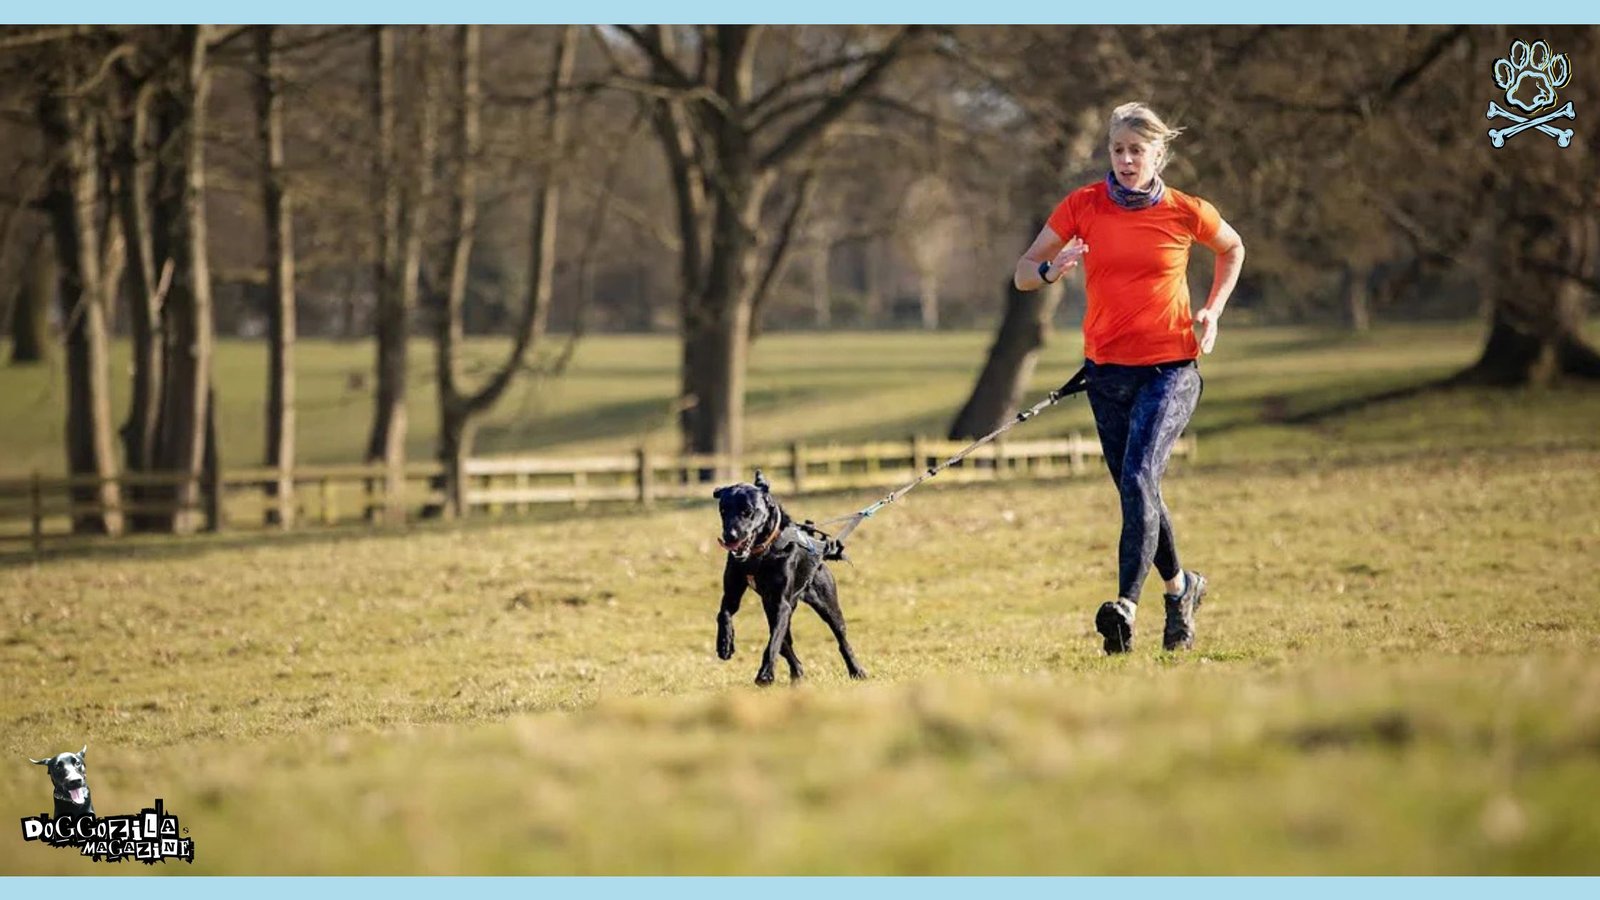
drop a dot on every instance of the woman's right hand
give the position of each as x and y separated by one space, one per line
1069 256
1048 246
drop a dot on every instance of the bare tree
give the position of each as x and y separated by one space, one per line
1057 148
140 79
187 312
726 143
277 201
70 123
404 192
459 411
1372 106
930 207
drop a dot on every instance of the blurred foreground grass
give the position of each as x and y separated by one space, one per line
1397 670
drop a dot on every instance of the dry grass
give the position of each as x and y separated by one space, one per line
1397 673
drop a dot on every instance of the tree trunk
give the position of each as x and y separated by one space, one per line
459 413
1516 354
724 147
387 435
1542 274
146 284
717 335
75 219
455 425
873 276
928 283
1007 371
403 210
31 340
1358 296
278 204
188 310
716 380
1025 326
821 283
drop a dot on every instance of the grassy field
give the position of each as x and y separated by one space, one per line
1397 670
619 393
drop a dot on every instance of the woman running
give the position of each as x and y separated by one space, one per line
1139 344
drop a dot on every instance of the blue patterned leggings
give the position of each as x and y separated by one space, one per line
1139 412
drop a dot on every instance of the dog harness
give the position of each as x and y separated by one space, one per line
814 550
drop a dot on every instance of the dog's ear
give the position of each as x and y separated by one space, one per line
761 482
83 751
39 762
717 494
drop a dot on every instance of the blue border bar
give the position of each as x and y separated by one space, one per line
814 12
744 888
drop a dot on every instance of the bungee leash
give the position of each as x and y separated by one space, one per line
1077 384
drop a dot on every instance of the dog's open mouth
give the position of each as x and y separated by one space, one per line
78 794
740 548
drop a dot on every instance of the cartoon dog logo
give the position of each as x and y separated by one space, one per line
1532 76
69 775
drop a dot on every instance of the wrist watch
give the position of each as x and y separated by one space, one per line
1044 270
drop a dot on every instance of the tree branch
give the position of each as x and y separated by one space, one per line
804 75
650 43
546 210
800 135
783 243
43 36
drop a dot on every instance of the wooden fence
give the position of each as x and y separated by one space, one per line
40 509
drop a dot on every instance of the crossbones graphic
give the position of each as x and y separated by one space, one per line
1497 136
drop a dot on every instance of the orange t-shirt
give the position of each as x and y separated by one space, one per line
1136 272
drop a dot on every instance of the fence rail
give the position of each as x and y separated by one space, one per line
39 508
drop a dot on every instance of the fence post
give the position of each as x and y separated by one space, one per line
580 489
642 455
919 456
36 498
329 515
797 465
394 485
288 502
1075 460
999 458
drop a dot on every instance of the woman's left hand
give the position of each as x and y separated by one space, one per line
1207 320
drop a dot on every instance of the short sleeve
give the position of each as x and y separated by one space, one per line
1207 222
1062 221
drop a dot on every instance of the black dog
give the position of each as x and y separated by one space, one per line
68 774
785 564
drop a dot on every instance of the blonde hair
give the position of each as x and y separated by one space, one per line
1144 123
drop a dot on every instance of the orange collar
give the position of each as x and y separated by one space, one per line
767 544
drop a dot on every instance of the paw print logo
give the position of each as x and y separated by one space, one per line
1531 75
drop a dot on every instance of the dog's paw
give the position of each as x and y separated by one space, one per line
764 677
725 642
859 675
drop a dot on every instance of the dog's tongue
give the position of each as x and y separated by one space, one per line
78 793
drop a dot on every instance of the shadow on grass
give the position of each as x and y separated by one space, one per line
1315 406
638 419
1321 341
175 547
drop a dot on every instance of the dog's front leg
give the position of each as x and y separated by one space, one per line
779 613
733 588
